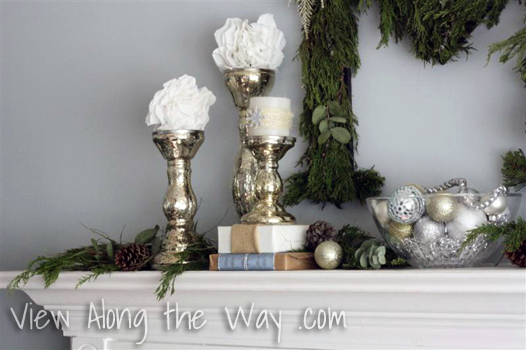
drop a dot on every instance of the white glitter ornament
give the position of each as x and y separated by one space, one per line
497 207
427 230
406 205
467 219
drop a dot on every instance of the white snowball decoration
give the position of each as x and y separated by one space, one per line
467 219
180 105
426 230
249 45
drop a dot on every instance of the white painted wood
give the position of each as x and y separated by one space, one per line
386 309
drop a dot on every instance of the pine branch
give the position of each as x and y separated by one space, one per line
513 47
514 169
514 233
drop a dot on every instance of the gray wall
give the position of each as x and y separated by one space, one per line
77 79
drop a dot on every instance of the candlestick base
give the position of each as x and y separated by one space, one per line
268 150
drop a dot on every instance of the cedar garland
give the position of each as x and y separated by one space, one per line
440 29
329 57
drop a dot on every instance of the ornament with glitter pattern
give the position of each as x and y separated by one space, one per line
467 219
427 230
400 231
442 208
502 218
328 255
406 205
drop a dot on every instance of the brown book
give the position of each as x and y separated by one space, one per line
262 262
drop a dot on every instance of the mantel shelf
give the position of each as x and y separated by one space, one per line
396 309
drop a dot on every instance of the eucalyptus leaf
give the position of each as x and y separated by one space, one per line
338 119
318 114
363 261
324 125
109 250
147 236
341 135
156 245
324 137
336 109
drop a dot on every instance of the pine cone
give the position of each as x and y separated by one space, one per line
319 232
518 257
132 256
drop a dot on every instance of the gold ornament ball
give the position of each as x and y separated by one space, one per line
328 255
442 208
399 230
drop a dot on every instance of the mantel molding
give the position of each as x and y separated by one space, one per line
396 309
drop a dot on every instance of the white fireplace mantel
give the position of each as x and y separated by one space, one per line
388 309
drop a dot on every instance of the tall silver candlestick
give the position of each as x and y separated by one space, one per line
245 83
178 147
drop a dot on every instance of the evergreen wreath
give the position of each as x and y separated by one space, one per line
440 29
329 57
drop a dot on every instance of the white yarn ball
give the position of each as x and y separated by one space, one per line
466 220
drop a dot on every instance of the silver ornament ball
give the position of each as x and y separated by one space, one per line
406 205
427 230
497 207
467 219
442 207
328 255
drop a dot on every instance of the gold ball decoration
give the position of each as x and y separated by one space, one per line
399 230
442 208
328 255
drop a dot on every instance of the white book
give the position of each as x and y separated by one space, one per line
272 238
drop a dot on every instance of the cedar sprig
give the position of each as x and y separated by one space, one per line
513 47
97 259
194 258
514 169
513 233
329 58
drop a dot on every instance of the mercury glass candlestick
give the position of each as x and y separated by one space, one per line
245 83
178 147
268 150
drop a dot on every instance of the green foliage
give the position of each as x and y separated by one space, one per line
194 258
97 259
361 251
514 169
329 57
440 29
514 46
514 233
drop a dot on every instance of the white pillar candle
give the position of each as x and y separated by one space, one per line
270 116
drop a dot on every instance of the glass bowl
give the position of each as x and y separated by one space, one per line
427 243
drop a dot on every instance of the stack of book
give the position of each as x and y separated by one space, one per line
261 248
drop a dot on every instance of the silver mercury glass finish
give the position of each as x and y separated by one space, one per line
178 147
267 210
245 83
